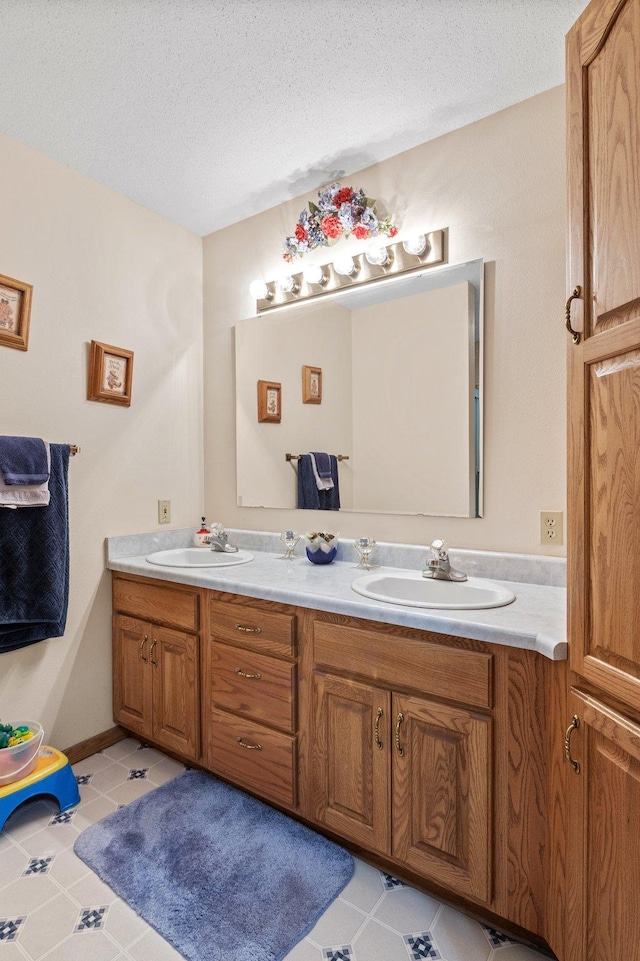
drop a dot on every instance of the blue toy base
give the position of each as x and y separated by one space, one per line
52 777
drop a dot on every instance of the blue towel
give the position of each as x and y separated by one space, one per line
23 460
323 464
309 497
34 564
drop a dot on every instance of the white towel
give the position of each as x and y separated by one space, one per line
322 483
26 495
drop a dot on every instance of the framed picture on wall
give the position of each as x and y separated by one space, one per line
311 385
15 311
269 402
110 374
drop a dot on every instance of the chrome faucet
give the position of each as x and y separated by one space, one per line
439 566
218 540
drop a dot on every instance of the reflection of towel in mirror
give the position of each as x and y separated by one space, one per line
34 564
25 495
309 497
321 465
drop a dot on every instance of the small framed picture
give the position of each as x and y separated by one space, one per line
311 385
15 311
110 374
269 402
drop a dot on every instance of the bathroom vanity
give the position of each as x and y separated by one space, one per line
407 733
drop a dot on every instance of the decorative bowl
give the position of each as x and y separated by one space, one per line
322 557
321 547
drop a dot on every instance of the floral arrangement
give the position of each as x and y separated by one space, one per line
340 212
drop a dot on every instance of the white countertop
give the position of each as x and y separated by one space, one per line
536 620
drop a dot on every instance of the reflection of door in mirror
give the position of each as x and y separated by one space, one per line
399 395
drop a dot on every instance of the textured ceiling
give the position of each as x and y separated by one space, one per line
208 111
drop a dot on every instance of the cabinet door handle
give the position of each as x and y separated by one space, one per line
142 644
153 647
239 671
376 727
575 724
399 747
575 294
249 747
248 630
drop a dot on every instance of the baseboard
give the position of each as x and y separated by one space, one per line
78 752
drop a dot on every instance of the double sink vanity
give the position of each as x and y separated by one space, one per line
419 735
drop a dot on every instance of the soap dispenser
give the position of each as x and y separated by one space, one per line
202 537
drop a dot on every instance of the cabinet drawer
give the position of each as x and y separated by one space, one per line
253 684
446 672
252 627
157 603
253 756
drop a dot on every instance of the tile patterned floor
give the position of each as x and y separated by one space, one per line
53 907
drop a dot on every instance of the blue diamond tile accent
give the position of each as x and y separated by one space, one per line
83 778
338 954
421 946
142 746
390 882
64 817
37 866
90 919
9 928
496 938
137 773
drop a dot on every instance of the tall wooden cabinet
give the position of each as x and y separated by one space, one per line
603 737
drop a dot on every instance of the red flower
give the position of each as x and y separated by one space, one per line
301 233
287 257
343 196
360 232
331 227
393 231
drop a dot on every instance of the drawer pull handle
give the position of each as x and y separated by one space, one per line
399 747
239 671
575 723
376 728
142 644
248 630
153 647
249 747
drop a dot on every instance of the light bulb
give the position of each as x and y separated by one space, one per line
345 265
378 255
415 245
287 285
314 274
259 290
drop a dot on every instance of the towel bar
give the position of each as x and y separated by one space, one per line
298 456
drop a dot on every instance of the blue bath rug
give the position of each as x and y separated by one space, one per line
220 875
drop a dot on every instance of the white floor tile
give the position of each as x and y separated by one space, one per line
151 947
91 892
110 777
131 790
88 946
123 924
93 764
30 817
165 771
13 863
121 749
340 922
516 952
94 811
364 890
47 926
377 943
27 894
11 952
305 951
67 868
460 938
407 910
50 840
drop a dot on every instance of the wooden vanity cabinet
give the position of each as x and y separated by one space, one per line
156 663
250 695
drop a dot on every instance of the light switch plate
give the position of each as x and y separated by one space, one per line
164 512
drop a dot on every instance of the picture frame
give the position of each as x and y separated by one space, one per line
15 312
110 374
269 402
311 385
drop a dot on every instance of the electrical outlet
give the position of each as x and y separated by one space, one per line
551 528
164 512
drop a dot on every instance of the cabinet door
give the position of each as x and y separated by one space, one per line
442 794
352 760
603 88
132 693
604 823
176 682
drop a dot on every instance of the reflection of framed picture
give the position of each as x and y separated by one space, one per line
269 402
15 310
311 385
110 374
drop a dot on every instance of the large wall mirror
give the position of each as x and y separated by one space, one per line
401 395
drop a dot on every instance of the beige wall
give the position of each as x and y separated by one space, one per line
499 186
106 269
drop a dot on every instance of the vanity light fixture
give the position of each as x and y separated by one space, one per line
378 264
260 290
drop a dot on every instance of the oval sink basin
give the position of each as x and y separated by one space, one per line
198 557
414 590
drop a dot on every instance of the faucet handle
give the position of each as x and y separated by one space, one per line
440 548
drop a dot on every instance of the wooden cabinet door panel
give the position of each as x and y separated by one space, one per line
176 681
352 772
604 823
132 691
442 796
603 106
